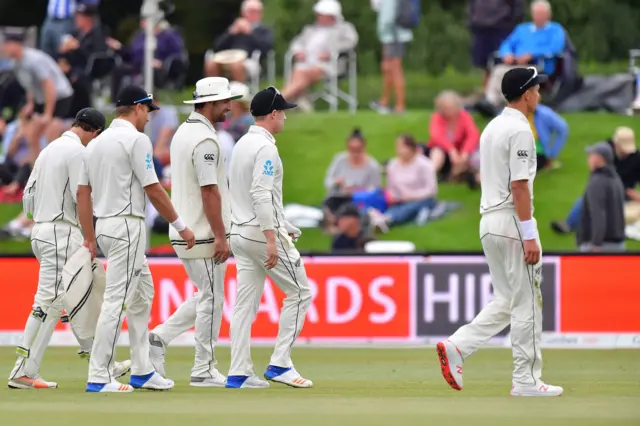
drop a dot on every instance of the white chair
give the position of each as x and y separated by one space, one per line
345 64
378 247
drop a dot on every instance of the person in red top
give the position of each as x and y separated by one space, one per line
453 136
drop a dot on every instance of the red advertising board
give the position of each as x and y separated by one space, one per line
359 299
387 299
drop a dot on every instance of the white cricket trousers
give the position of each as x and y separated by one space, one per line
250 252
52 243
517 301
204 309
129 291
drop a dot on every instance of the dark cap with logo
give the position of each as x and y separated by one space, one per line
516 81
87 9
92 117
133 95
268 100
348 210
602 149
14 35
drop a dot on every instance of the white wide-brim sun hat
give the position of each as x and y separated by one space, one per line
241 89
212 89
328 7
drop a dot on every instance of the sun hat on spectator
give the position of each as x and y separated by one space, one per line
328 7
211 89
87 9
241 89
625 140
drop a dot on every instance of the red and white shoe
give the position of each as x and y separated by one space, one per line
451 363
25 382
541 390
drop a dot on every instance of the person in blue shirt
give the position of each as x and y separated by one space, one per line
552 132
533 42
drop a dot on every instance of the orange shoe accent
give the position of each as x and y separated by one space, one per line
34 383
445 367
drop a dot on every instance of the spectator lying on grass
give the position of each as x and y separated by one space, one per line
412 186
453 136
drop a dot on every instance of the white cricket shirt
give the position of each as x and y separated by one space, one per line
54 180
117 165
255 181
507 154
197 161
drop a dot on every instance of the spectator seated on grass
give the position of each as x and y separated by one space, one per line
313 48
412 186
627 166
349 172
239 118
530 43
169 46
350 236
453 136
602 226
86 38
248 34
551 132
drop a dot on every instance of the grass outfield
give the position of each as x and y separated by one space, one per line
310 141
351 387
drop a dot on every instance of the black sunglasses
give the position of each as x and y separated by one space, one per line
276 92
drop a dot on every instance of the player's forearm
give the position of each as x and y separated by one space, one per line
85 212
270 236
522 203
521 199
263 207
161 201
212 205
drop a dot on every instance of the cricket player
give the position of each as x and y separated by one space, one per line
509 236
262 244
50 199
118 173
200 192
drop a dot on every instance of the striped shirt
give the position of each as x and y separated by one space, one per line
61 9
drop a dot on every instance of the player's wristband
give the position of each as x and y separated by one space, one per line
529 229
178 225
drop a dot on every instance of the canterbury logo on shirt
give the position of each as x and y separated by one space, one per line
209 157
522 154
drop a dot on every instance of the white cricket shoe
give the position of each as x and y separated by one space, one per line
451 363
25 382
542 390
151 381
157 352
113 387
121 368
218 380
288 376
245 382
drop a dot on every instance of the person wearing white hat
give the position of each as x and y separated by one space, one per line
314 47
200 192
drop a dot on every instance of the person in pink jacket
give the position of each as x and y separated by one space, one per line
453 136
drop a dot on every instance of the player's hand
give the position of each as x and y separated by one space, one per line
221 250
272 255
531 252
188 237
91 246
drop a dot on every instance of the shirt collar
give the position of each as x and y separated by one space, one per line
262 131
515 114
72 135
197 116
534 28
119 122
